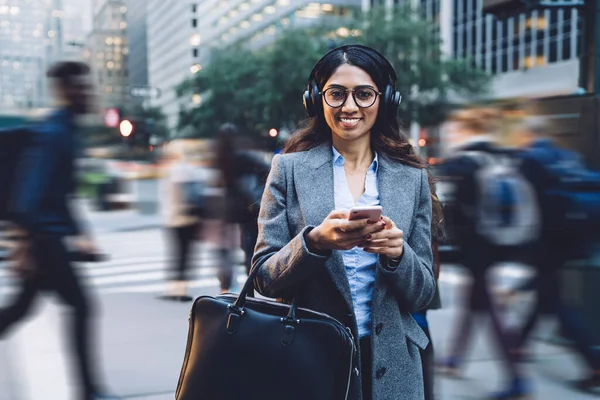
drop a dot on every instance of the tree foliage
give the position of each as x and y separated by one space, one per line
262 89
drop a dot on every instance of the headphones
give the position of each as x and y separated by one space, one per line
390 100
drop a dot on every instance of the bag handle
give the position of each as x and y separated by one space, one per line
240 302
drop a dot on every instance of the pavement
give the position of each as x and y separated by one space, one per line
141 339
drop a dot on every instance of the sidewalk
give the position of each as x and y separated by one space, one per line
142 342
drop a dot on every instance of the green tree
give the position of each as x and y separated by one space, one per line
262 89
426 78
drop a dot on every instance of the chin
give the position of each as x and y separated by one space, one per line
350 136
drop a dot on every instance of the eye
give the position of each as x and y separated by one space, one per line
336 94
365 94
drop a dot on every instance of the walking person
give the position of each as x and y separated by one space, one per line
543 164
43 221
368 274
473 140
181 203
243 174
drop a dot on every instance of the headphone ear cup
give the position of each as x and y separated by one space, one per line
391 101
309 107
311 100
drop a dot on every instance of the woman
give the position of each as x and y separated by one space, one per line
182 224
243 174
370 275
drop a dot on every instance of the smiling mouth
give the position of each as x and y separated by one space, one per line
349 121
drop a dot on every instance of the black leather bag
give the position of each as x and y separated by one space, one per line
247 348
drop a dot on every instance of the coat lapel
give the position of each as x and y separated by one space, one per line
397 197
314 182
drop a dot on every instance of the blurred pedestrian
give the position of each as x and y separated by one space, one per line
545 164
182 204
473 150
368 274
43 221
243 174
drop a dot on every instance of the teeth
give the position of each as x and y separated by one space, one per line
349 119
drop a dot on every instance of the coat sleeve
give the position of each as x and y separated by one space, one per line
412 279
284 261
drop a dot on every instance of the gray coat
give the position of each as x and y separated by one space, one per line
298 196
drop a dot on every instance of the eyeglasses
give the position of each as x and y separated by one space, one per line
364 96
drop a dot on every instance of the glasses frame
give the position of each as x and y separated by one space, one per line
352 90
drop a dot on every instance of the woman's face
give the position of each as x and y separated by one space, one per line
350 122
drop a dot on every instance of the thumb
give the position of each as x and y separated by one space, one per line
339 214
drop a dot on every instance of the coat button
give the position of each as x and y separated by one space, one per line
378 328
380 373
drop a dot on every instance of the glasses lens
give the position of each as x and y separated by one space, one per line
335 97
365 97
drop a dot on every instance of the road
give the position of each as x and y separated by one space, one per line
141 339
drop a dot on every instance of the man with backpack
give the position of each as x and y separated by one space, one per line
565 188
36 205
492 211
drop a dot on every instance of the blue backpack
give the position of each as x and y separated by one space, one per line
506 213
194 198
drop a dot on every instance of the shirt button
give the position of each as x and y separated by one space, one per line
380 373
378 328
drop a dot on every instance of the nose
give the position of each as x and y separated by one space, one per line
349 105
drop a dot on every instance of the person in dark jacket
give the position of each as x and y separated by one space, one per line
474 132
540 157
43 221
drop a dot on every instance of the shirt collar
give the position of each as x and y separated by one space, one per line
338 159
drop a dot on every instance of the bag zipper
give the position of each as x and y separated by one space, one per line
351 363
187 347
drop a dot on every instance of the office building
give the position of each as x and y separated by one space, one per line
30 34
138 43
181 34
107 52
258 21
172 35
533 54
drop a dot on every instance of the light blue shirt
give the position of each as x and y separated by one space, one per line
360 265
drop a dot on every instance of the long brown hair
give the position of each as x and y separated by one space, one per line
387 137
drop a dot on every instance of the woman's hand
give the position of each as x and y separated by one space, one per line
388 242
336 232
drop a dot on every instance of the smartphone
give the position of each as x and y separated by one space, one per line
368 212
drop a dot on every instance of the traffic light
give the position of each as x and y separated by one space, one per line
126 128
508 8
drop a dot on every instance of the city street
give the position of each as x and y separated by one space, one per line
142 339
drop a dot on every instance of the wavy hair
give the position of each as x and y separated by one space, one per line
387 137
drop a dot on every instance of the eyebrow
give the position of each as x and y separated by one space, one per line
336 85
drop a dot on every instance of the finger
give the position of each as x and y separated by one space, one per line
376 250
339 214
388 222
387 234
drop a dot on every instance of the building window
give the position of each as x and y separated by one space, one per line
195 53
194 23
194 8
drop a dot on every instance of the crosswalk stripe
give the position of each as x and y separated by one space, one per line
159 287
